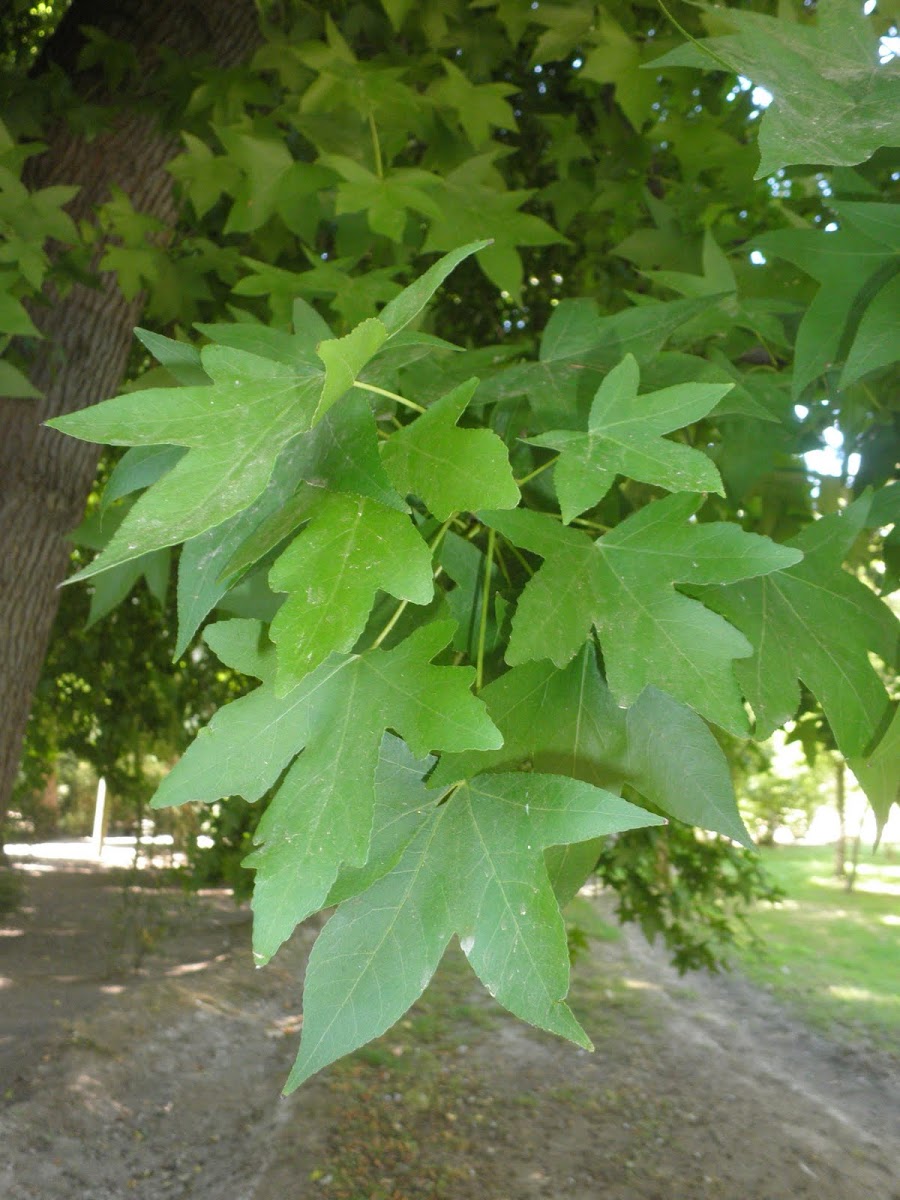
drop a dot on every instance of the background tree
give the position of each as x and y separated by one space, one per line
93 115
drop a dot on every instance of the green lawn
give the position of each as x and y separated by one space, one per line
832 954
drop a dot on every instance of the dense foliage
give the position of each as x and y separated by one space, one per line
512 530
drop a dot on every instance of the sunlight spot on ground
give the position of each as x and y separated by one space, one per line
191 968
872 887
112 989
11 932
845 992
5 982
890 919
641 985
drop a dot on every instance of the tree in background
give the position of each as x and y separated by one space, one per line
88 131
556 555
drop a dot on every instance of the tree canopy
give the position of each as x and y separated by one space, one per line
519 535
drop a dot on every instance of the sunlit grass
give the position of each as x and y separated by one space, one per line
833 954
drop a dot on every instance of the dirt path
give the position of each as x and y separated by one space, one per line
162 1083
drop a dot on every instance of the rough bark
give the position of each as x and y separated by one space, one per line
45 477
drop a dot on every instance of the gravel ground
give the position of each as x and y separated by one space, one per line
141 1055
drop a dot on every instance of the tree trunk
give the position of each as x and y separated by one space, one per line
45 477
840 799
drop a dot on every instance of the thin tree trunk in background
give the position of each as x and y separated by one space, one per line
850 879
44 477
840 799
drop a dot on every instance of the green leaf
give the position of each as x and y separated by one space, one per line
475 206
291 349
205 558
675 762
388 199
14 319
816 623
402 802
624 437
464 564
340 454
567 722
378 953
479 106
876 343
833 101
451 469
398 313
344 358
181 359
578 347
615 59
321 816
877 773
110 590
847 264
264 163
139 468
13 383
234 430
352 548
622 585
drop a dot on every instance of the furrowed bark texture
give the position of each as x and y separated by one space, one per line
45 477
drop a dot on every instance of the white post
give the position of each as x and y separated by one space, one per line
99 818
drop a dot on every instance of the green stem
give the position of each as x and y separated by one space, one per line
502 564
700 46
370 387
439 536
398 613
537 471
485 603
522 561
376 146
590 524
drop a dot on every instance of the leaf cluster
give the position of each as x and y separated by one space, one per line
499 567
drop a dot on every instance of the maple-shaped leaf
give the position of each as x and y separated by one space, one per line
345 357
833 102
479 106
615 58
623 585
817 623
624 437
387 198
352 548
578 347
339 454
451 469
475 868
849 264
878 775
566 721
234 429
876 343
475 203
95 532
321 816
203 577
138 468
402 802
